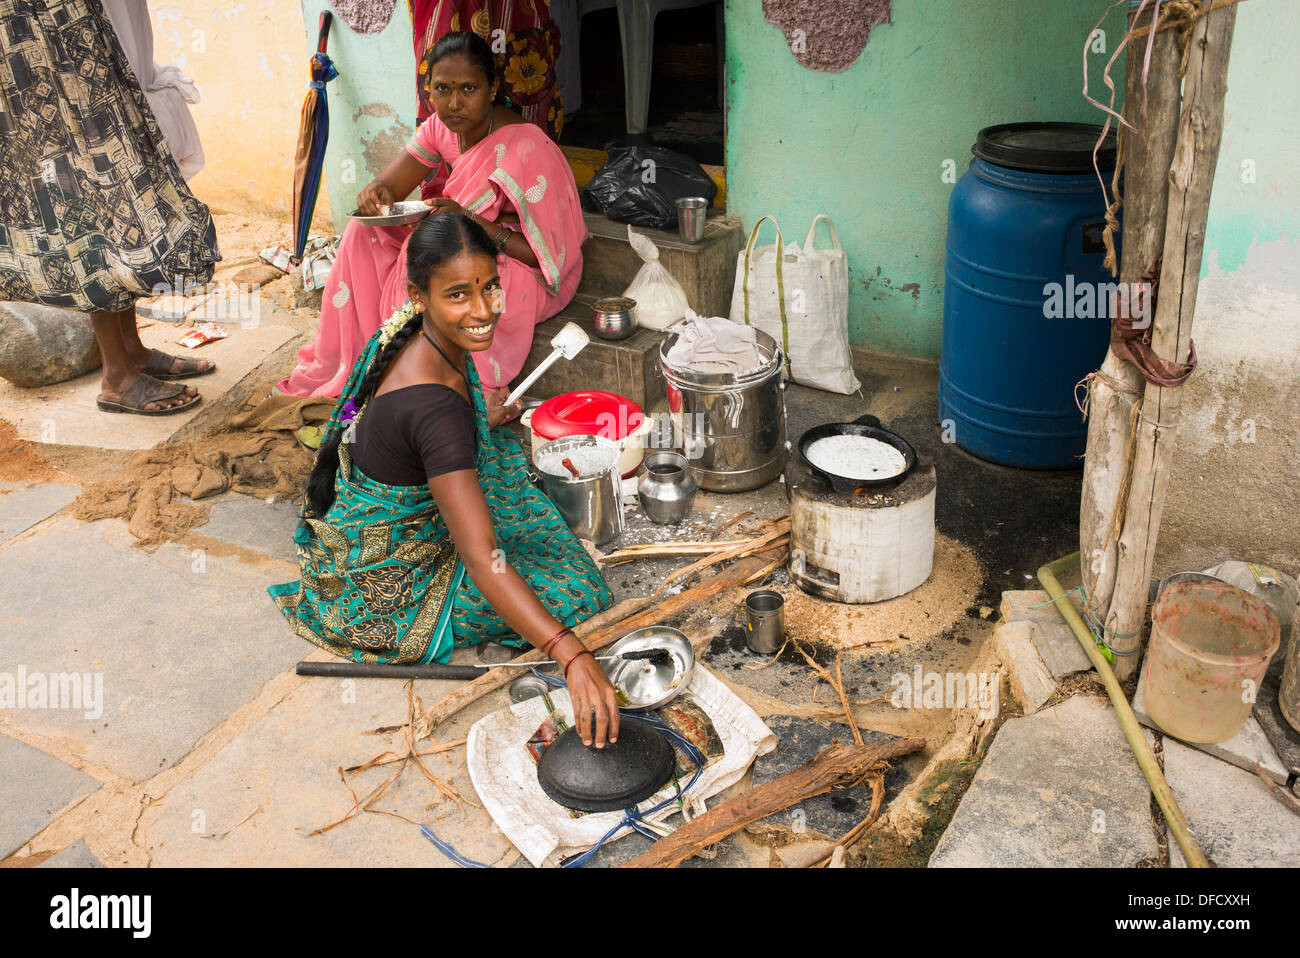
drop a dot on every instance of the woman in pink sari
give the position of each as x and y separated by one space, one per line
502 172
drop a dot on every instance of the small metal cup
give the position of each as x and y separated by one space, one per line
691 215
765 631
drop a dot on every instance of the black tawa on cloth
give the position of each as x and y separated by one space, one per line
622 773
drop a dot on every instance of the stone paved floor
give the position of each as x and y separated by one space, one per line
203 746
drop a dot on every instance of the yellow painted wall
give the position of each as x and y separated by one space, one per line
249 59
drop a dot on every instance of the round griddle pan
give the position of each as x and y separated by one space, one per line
870 427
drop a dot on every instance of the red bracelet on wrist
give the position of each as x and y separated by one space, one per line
576 656
546 646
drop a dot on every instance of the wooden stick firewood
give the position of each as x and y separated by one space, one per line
834 765
779 529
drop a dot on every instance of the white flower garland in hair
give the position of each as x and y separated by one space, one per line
396 322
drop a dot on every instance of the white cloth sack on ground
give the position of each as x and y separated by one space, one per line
713 344
165 87
812 324
504 772
660 299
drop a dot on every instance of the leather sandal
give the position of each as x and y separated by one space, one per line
159 367
144 390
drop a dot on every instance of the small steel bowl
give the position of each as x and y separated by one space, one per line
528 687
642 686
614 317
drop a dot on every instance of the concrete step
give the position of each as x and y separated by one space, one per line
706 270
1058 789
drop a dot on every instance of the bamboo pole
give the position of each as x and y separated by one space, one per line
1147 155
1191 176
1179 826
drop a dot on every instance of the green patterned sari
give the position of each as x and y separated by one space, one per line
381 578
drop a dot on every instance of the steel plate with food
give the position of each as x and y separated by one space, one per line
396 214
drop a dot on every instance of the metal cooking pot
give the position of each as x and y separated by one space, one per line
868 426
614 317
591 504
578 403
732 425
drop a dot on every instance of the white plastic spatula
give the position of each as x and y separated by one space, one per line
568 342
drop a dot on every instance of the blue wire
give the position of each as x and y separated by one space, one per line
450 852
632 817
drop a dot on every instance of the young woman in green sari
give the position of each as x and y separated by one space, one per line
420 530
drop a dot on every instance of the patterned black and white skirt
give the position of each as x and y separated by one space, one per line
93 210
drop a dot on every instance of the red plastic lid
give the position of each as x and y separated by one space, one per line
587 412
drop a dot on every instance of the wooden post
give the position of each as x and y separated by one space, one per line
1147 155
1191 176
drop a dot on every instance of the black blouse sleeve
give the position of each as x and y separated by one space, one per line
440 430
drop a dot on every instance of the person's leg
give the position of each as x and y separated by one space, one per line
137 353
119 369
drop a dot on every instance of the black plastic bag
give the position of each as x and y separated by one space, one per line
642 184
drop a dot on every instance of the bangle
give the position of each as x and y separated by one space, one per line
502 239
546 646
576 656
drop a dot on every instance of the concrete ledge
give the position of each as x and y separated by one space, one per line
1051 635
1237 823
1031 682
66 414
706 270
1059 789
629 367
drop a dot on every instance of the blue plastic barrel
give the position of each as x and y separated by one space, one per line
1026 301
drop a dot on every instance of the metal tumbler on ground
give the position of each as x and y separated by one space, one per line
765 630
692 212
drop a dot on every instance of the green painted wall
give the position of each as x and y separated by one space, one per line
870 145
1233 488
372 103
1256 198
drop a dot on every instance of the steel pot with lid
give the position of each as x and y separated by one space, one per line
732 424
591 412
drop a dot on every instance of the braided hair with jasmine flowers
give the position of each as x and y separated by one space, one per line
435 241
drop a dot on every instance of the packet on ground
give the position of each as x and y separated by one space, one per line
200 334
